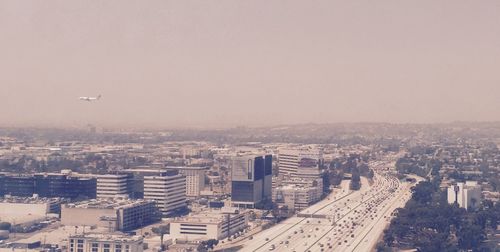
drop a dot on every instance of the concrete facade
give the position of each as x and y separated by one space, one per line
105 243
208 225
168 191
195 179
115 214
112 185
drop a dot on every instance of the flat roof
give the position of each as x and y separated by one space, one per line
108 203
108 237
28 200
187 167
205 217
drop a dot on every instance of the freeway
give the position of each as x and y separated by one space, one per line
345 221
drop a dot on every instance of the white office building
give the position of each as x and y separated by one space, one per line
466 195
195 179
112 185
290 159
208 225
168 191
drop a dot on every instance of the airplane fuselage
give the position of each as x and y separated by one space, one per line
89 99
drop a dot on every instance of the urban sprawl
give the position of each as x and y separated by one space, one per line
335 187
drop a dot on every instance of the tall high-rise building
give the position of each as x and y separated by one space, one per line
293 162
112 185
268 177
168 191
251 183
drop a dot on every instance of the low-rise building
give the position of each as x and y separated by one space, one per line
115 214
297 193
466 195
295 197
21 210
214 224
114 242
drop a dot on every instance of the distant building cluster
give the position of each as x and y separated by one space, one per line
201 191
299 183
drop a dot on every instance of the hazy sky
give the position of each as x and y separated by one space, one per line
226 63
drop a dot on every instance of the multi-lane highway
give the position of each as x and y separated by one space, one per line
344 221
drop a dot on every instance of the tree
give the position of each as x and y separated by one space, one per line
161 231
470 236
355 180
207 245
422 193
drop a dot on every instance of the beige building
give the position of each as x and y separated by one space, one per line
195 179
297 194
20 210
208 225
115 214
113 242
295 197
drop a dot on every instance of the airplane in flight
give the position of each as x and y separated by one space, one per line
89 99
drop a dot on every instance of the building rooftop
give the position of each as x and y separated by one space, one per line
108 237
187 167
27 200
209 216
107 203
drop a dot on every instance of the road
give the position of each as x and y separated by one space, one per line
349 221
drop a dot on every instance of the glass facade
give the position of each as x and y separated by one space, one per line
48 186
242 191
